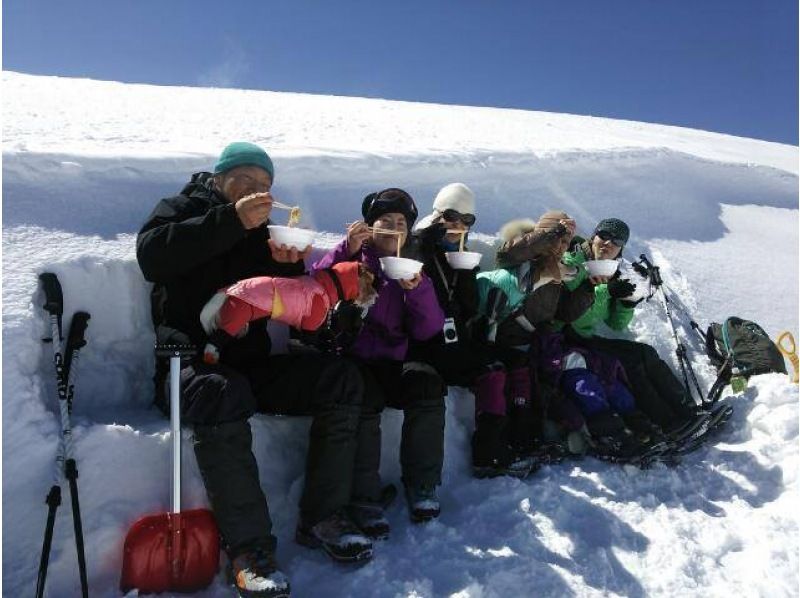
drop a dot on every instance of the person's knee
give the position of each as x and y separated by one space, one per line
423 384
341 382
648 353
215 394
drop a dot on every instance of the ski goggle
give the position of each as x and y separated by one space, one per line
390 200
451 215
607 236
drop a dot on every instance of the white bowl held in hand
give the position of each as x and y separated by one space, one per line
601 267
400 268
463 260
299 238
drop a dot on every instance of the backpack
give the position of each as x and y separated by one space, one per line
740 344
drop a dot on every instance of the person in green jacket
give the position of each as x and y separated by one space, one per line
609 300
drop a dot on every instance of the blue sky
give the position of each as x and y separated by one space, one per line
721 65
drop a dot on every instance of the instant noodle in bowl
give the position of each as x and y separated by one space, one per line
463 260
299 238
601 267
400 268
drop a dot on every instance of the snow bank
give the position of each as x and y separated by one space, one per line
719 214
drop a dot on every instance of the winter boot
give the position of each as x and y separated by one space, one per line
369 517
338 536
423 503
256 575
492 455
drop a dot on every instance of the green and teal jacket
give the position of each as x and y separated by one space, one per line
603 308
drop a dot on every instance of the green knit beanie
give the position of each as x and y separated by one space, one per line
242 153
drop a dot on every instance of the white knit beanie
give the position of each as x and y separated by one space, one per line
455 196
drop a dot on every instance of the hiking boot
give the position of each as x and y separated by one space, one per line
338 536
423 503
256 575
369 518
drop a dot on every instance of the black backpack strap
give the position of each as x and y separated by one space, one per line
336 282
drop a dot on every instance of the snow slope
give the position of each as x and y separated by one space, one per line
83 164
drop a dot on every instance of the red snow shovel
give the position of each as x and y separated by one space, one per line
176 551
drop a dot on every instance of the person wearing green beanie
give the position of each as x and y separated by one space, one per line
611 301
210 235
243 153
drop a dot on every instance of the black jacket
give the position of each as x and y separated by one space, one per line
192 245
456 290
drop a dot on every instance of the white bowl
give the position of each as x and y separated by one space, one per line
601 267
463 260
299 238
400 268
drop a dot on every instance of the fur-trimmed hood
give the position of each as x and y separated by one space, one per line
515 228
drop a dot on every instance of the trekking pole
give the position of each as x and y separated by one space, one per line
54 306
75 341
65 462
687 370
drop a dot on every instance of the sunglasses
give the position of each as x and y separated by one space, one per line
456 216
607 236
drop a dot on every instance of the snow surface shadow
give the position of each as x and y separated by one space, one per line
653 190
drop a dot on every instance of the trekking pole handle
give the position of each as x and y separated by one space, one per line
77 330
53 299
790 352
653 271
53 296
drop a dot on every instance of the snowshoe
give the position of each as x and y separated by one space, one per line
712 422
338 536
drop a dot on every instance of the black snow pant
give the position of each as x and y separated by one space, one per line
218 401
419 391
658 392
462 364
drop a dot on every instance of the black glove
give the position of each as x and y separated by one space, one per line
344 323
620 287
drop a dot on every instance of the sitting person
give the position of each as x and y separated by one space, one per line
593 403
303 302
498 375
659 394
528 278
525 295
404 310
210 235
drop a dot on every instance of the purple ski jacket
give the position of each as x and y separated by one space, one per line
397 314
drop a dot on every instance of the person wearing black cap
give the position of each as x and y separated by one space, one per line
610 300
209 236
404 311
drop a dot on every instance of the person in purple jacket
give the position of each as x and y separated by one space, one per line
403 310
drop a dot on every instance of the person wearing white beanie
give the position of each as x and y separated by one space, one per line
454 208
497 376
